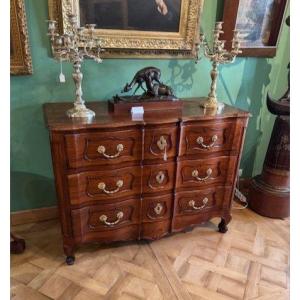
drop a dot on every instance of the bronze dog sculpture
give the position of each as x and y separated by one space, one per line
153 89
148 76
162 89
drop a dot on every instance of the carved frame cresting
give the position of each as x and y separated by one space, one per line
20 58
140 44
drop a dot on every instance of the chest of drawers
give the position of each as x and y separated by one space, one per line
119 179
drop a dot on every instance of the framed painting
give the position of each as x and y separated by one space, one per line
20 57
259 23
136 28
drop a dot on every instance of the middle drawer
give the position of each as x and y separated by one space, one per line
104 185
202 172
158 178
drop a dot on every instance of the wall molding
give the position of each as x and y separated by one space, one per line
33 215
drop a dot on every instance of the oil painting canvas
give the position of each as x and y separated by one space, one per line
254 20
141 15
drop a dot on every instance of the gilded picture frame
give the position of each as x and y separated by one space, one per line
140 44
20 56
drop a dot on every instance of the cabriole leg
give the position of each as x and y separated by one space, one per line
70 253
70 260
223 224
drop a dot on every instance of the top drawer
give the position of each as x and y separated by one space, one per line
209 137
103 148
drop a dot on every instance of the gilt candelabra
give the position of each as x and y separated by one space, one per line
73 47
217 54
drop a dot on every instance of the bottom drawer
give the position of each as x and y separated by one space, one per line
156 230
157 208
192 208
107 222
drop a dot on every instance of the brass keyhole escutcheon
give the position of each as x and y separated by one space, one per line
162 143
160 177
158 208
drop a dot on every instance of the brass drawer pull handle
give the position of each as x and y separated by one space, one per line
101 150
104 218
195 174
158 208
102 186
192 204
160 177
200 141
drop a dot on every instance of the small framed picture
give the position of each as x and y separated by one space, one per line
259 23
20 57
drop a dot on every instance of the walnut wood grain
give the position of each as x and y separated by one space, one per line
84 186
83 148
217 198
152 138
155 164
222 172
180 223
222 131
157 208
56 119
156 230
87 225
158 178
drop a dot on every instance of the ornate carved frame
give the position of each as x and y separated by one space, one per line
140 44
20 58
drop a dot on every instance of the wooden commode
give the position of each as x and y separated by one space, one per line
119 180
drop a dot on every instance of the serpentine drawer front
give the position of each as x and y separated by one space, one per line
205 172
106 221
198 202
161 143
102 148
119 179
104 185
157 208
209 137
158 178
199 206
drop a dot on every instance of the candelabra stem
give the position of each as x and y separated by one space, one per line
79 110
77 77
213 87
212 101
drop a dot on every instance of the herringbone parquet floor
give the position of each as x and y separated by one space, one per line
251 261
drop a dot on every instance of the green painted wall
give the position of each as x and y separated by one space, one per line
243 84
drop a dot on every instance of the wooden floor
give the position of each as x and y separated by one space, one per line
251 261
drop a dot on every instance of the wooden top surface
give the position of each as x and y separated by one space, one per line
56 118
